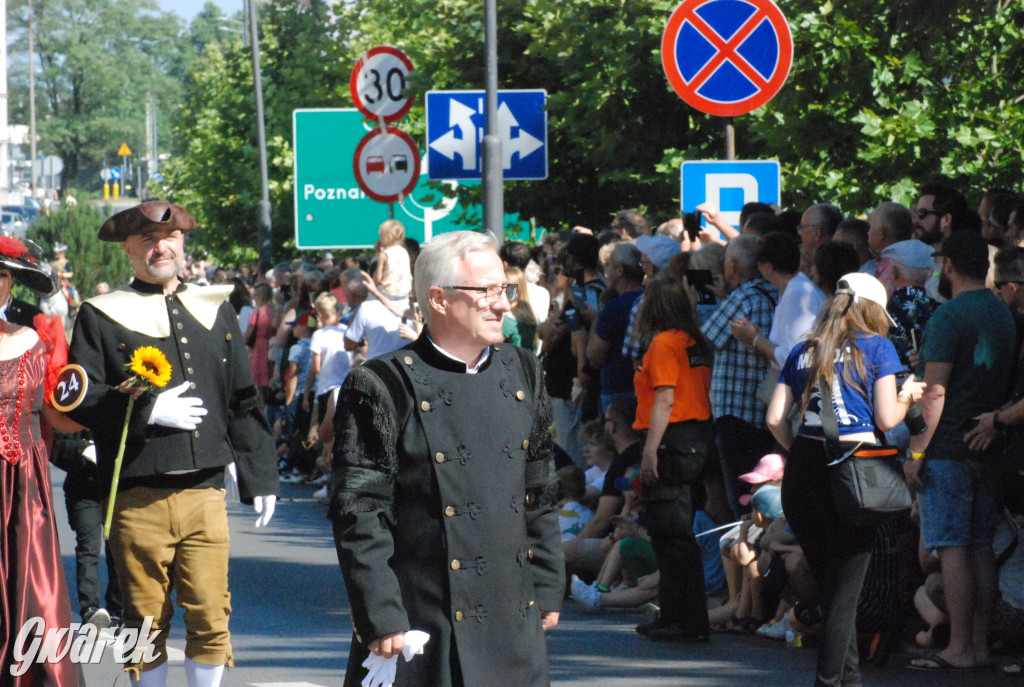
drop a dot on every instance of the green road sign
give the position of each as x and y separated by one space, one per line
330 209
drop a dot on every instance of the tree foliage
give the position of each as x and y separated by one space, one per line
881 97
96 61
94 261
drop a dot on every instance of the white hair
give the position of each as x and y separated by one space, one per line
438 262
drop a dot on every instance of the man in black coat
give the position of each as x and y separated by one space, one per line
444 488
170 528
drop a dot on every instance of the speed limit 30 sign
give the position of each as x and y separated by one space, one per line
378 83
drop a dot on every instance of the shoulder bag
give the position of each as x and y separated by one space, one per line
866 481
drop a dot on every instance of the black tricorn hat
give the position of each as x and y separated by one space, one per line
139 218
24 260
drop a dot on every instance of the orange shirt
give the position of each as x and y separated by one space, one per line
675 360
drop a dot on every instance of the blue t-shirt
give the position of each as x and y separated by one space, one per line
302 357
854 406
617 373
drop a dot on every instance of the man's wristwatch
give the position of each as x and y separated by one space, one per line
997 423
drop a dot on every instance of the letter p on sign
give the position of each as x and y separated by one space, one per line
729 185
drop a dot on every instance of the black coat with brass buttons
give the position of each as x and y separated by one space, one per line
444 514
204 349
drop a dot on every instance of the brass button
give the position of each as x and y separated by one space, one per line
456 565
520 395
439 457
407 360
180 325
459 615
358 638
526 444
121 347
191 371
196 434
449 511
184 339
425 406
227 337
174 311
528 499
192 385
532 602
188 356
529 554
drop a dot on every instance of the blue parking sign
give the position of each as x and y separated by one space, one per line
729 185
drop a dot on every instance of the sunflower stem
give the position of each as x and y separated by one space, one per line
117 470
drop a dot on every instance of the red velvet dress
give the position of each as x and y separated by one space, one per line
31 573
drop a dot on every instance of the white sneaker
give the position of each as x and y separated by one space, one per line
775 630
587 595
99 617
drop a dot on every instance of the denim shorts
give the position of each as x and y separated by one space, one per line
958 504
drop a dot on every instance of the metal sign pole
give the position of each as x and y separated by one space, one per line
730 140
494 202
263 245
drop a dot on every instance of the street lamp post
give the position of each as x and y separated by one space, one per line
263 221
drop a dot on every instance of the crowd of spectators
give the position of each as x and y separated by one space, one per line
717 320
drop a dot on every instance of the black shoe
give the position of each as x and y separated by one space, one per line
645 628
673 632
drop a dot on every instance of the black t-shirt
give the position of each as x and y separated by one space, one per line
632 455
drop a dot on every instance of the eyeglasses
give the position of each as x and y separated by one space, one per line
921 213
491 293
1000 284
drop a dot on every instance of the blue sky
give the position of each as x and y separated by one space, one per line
188 9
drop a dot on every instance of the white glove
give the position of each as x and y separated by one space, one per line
231 483
89 453
381 671
414 641
264 506
171 410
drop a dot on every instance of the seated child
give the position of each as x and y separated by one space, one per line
572 515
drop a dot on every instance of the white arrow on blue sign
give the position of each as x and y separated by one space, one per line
455 131
115 173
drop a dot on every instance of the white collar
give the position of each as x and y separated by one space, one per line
469 370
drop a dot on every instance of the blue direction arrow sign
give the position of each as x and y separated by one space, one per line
455 131
729 185
115 173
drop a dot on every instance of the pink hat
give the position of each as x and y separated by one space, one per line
768 469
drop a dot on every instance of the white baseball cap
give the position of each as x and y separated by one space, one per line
863 285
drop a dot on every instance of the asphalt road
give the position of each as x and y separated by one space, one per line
291 626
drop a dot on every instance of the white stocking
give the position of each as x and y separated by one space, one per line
202 675
152 678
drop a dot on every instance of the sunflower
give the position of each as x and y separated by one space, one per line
151 365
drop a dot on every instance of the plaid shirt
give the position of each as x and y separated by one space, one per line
631 347
737 371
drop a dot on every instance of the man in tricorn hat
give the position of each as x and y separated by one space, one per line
170 524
